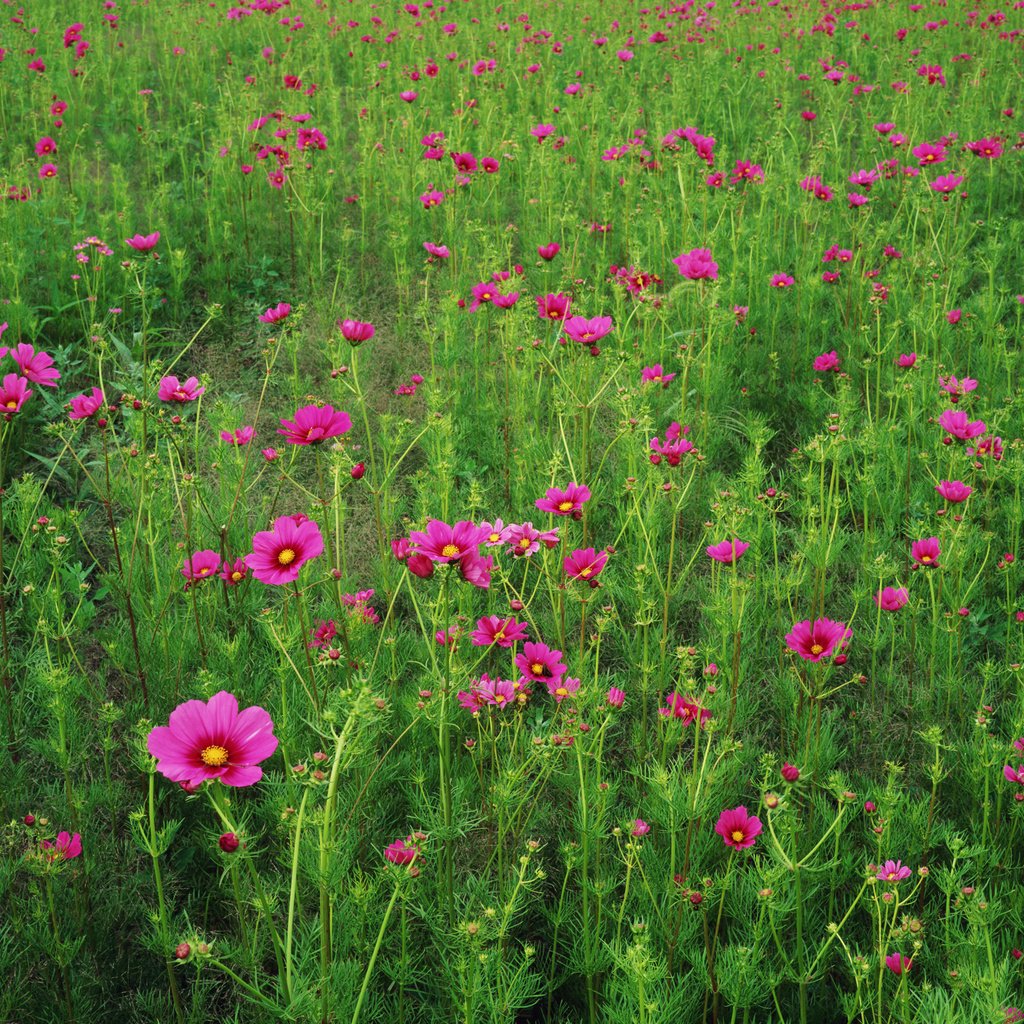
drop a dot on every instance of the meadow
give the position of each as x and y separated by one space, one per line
511 512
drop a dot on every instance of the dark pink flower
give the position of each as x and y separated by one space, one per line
553 306
85 405
549 251
926 552
201 565
143 243
540 664
564 502
35 366
656 375
898 964
356 331
275 314
315 423
956 422
737 828
817 640
697 265
173 390
587 332
14 393
892 599
280 552
492 629
585 564
954 491
443 543
727 551
232 573
828 361
65 847
240 437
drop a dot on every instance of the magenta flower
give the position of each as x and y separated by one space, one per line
431 199
232 573
828 361
356 331
640 828
926 552
728 552
548 252
946 183
14 393
587 332
906 360
539 663
213 740
892 871
66 847
817 640
987 149
562 688
673 448
616 697
656 375
892 599
443 543
781 281
955 387
678 706
315 423
280 552
697 265
956 422
275 314
86 405
954 491
1014 774
441 252
35 366
898 964
143 243
498 693
585 564
172 390
404 851
564 503
553 306
737 828
492 629
201 565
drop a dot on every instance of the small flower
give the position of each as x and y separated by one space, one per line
585 564
280 552
143 243
640 828
564 502
891 599
85 406
697 265
65 847
817 640
173 390
276 313
926 552
616 697
790 772
728 552
737 828
897 964
356 331
228 842
893 871
201 565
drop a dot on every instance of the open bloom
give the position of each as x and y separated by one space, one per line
404 851
35 366
143 243
315 423
673 448
828 361
925 552
697 265
201 565
232 573
656 375
553 307
728 551
213 740
275 314
893 871
85 405
13 394
956 422
443 543
954 491
280 552
585 564
65 847
678 706
891 599
562 688
737 828
585 331
492 629
539 663
173 390
817 640
564 502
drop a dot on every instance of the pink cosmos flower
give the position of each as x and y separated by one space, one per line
241 436
443 543
616 697
201 565
926 552
898 964
954 491
956 422
906 360
232 573
172 390
66 847
431 199
86 405
697 265
498 693
892 599
35 366
549 251
587 332
893 871
275 314
553 306
927 154
492 629
13 394
656 375
987 149
674 447
356 331
493 533
781 281
585 564
45 146
315 423
278 554
540 664
213 740
828 361
955 387
562 688
47 171
1014 775
441 252
737 828
640 828
403 851
954 316
728 552
564 502
678 706
143 243
523 539
946 183
817 640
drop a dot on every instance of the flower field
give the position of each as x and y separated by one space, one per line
511 512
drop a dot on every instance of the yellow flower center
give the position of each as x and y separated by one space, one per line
524 543
204 570
500 635
494 538
926 559
536 668
236 575
286 556
450 550
816 649
565 506
12 404
737 835
586 572
214 756
500 698
561 692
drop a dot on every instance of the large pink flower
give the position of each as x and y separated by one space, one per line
443 543
818 640
697 265
35 366
279 553
66 847
585 564
737 828
315 423
173 390
564 503
86 405
585 331
213 740
728 551
14 392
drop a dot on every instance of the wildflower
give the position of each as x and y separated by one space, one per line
143 243
737 828
640 828
616 697
553 306
656 375
492 629
240 437
443 543
891 599
564 502
539 663
947 183
562 688
906 360
817 640
232 573
549 251
729 552
280 552
441 252
987 149
356 331
955 422
585 564
48 171
677 706
790 772
13 394
403 851
827 362
213 740
925 552
200 565
897 964
83 406
173 390
65 847
431 198
228 842
587 332
893 871
674 447
954 491
35 366
315 423
781 281
697 265
275 314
